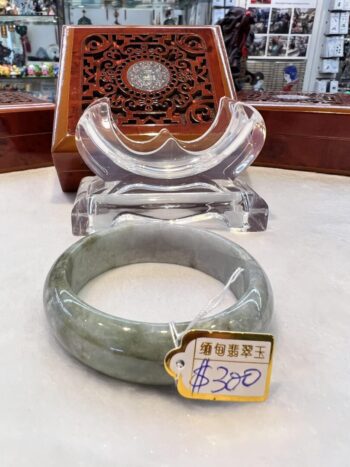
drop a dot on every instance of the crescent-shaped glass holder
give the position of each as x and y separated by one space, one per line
163 177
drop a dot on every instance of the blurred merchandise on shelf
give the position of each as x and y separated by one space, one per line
333 86
313 36
290 77
31 70
329 65
170 19
29 50
28 8
327 85
321 85
133 12
333 47
34 42
343 73
333 71
274 73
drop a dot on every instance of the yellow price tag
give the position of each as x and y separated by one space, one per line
222 365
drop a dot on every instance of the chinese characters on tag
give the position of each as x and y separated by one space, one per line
233 350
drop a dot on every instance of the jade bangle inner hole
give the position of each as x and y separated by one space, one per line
154 292
138 244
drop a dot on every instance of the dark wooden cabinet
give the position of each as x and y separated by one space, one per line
25 131
310 133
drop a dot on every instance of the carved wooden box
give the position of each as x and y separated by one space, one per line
189 72
25 131
306 131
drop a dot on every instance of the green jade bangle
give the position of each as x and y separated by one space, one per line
133 350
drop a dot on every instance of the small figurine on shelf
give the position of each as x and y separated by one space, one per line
41 54
18 59
51 71
116 16
37 70
107 4
20 9
5 52
37 10
258 81
26 9
9 8
51 9
56 69
44 70
48 8
15 71
170 20
84 20
53 52
30 70
3 31
3 4
5 70
291 77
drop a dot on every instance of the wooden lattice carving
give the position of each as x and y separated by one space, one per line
187 96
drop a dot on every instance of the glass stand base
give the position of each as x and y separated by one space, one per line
210 204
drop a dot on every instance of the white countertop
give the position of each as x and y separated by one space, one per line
56 412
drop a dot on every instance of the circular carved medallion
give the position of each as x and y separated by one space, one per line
148 75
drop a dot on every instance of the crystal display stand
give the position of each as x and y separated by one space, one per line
187 182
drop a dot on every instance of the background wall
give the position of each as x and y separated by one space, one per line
41 36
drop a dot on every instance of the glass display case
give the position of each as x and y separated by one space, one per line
129 12
29 46
278 53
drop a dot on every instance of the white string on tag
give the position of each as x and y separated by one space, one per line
210 306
